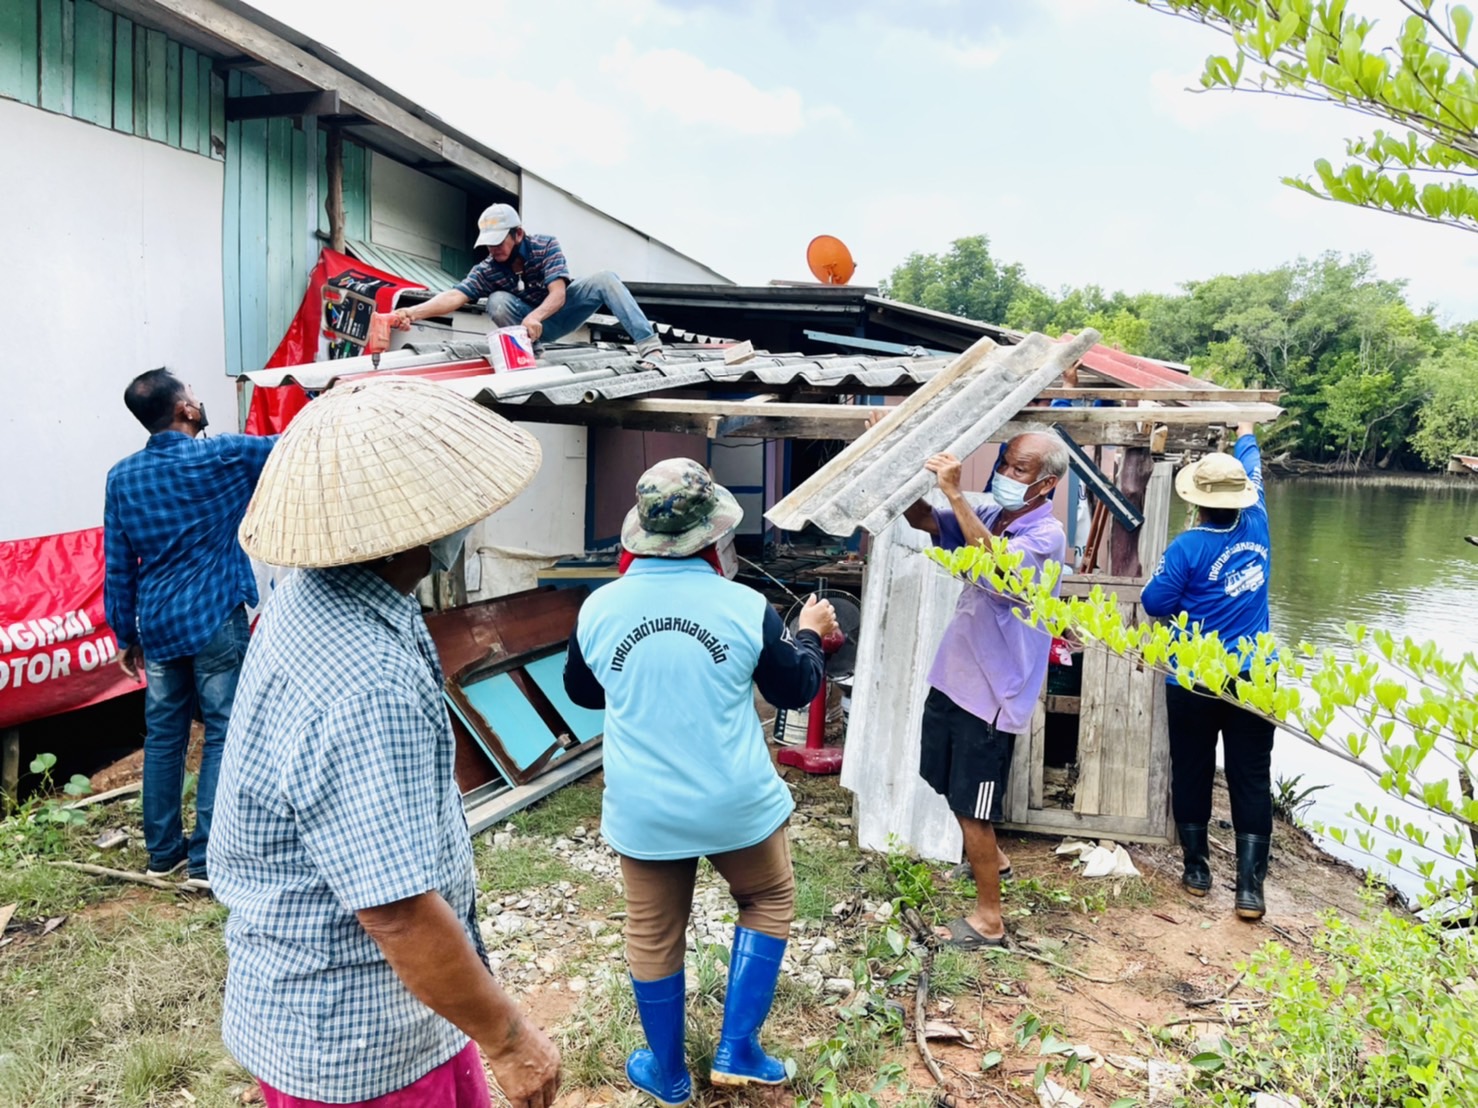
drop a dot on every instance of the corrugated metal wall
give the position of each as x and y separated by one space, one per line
75 58
269 235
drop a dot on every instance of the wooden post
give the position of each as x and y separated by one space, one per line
335 200
1134 476
10 765
1154 533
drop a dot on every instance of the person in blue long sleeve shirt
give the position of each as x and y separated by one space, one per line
176 592
1217 573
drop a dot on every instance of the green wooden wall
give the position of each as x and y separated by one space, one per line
268 235
75 58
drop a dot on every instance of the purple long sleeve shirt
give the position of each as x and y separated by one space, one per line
989 662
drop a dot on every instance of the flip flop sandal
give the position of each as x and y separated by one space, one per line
964 937
963 872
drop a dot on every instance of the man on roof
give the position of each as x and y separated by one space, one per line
527 281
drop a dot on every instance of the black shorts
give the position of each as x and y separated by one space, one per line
964 759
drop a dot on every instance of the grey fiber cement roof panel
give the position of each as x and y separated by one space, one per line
878 476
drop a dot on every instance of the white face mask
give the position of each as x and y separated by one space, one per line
728 557
1010 494
444 550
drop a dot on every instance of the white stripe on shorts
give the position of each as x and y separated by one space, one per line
984 796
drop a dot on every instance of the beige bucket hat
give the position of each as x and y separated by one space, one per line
1216 481
379 466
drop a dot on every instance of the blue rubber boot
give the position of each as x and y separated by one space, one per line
754 967
662 1071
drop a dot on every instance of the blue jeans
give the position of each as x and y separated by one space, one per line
583 298
175 688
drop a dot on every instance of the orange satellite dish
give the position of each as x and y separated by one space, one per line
830 260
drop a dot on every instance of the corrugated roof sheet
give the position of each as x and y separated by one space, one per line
402 264
879 475
580 374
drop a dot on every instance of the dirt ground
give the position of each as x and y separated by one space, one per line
1136 960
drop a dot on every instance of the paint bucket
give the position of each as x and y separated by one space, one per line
510 348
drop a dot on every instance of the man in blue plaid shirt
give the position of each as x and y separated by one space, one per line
355 965
177 588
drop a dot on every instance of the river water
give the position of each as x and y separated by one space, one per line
1383 556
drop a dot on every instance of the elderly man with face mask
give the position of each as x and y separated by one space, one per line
355 969
673 652
990 665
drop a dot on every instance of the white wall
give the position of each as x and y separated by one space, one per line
593 241
116 242
546 521
413 212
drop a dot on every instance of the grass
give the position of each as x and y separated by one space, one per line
119 1010
827 874
576 805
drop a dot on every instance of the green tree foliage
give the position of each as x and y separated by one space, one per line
1447 423
1421 83
1356 363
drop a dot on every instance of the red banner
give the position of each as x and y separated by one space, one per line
55 643
332 322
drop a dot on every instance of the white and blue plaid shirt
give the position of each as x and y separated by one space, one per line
336 795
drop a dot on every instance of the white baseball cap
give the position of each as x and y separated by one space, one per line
495 223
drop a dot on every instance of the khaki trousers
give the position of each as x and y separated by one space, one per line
659 900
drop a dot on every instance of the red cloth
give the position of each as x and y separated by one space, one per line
456 1083
709 554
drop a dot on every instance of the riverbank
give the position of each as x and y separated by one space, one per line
119 1002
1401 479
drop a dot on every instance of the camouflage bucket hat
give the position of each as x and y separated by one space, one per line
679 510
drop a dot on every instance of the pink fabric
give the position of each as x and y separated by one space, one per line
456 1083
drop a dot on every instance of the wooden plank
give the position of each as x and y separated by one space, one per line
1157 781
253 222
356 191
231 244
20 51
172 106
1059 821
140 81
104 797
217 115
156 98
1168 395
56 55
282 239
1115 738
1154 534
334 202
122 75
190 101
1221 415
204 80
1134 797
1065 705
1133 479
307 149
92 63
1025 790
261 43
300 260
1091 723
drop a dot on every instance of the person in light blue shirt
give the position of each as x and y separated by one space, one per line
672 652
1217 573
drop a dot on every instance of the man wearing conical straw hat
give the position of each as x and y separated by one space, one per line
356 971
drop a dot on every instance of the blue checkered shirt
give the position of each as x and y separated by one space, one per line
543 261
336 795
175 569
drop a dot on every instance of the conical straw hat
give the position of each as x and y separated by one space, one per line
380 466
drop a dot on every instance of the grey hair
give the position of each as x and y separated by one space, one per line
1052 456
1055 458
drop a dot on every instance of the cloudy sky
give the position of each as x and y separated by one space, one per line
735 130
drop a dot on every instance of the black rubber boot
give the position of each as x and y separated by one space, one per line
1252 870
1196 879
